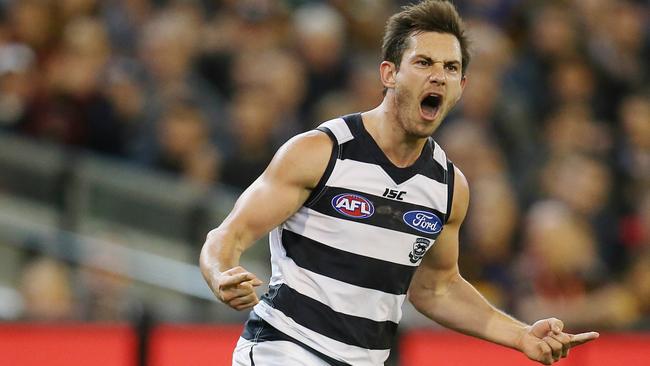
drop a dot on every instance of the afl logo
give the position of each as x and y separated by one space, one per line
353 205
423 221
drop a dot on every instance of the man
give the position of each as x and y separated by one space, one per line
364 212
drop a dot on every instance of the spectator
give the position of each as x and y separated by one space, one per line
560 262
17 84
634 150
321 43
489 239
105 296
45 286
252 130
184 146
72 109
638 283
34 22
168 50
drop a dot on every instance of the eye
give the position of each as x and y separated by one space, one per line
423 62
451 67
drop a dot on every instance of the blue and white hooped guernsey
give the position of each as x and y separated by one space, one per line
342 264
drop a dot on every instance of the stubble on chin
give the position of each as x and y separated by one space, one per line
407 115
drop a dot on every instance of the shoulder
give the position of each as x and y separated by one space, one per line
303 158
308 147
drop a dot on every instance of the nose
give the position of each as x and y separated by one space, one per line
437 75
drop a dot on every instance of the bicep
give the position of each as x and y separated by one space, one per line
441 261
282 189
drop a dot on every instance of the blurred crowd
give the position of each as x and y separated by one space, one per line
553 131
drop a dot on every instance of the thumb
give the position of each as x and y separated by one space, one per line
256 282
541 328
556 325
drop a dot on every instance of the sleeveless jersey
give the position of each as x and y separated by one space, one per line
342 264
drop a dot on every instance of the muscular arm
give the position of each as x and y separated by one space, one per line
279 192
440 292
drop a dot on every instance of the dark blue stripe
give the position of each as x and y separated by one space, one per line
450 188
320 318
388 213
347 267
250 355
258 330
328 171
364 148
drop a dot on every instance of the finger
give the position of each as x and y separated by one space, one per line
564 339
546 356
230 280
541 327
582 338
243 289
248 304
556 347
243 300
255 282
556 325
245 307
234 271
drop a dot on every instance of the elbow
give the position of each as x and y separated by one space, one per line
421 299
426 298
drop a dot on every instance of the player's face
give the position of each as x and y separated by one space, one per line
428 83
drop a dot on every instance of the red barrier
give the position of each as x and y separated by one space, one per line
173 345
615 349
423 348
67 345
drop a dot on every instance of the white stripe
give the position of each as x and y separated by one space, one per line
371 178
338 350
370 241
340 296
439 155
273 353
339 128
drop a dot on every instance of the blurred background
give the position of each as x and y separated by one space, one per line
128 128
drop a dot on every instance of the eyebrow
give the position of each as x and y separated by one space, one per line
430 60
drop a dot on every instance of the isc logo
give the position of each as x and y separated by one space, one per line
353 205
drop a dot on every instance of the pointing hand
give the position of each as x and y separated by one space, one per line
546 343
235 288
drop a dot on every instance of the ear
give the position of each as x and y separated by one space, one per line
388 71
463 82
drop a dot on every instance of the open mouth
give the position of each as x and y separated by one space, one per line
430 105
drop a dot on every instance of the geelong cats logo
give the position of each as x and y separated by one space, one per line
353 205
419 249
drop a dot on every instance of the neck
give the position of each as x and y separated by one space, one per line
383 124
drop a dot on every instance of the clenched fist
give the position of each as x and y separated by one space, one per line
236 288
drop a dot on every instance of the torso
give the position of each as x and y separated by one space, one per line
342 264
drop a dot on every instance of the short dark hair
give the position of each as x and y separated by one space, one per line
428 16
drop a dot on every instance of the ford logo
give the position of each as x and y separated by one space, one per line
423 221
353 205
